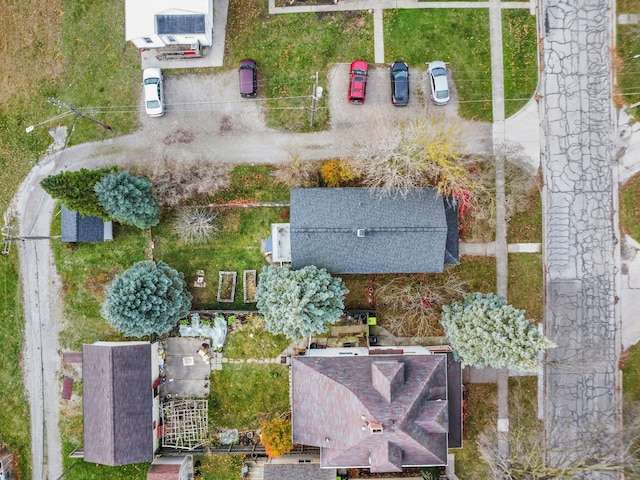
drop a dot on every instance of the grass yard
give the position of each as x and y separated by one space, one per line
631 375
630 207
237 246
627 67
479 272
526 226
14 421
243 394
526 284
290 49
220 467
86 269
252 340
482 410
49 51
520 58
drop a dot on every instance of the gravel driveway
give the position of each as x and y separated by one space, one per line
206 121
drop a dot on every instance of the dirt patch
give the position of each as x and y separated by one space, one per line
179 136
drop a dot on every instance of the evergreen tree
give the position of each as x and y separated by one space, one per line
483 330
299 303
76 190
129 199
147 298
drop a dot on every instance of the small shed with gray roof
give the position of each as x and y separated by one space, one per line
356 230
79 228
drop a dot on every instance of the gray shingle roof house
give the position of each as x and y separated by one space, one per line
76 228
377 411
354 230
308 471
118 402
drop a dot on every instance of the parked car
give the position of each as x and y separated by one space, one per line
153 92
400 84
358 81
437 71
248 74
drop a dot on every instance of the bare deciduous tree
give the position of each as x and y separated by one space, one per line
411 306
297 172
178 182
531 457
520 183
421 153
195 226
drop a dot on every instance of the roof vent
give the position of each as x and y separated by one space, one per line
360 233
376 428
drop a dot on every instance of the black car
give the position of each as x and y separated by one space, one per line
400 84
248 74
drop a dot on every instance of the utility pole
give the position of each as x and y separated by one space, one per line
313 100
79 113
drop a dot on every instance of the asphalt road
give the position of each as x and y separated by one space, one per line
201 124
581 240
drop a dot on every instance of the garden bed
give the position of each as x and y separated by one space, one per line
227 286
250 285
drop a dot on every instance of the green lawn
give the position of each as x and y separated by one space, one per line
519 47
526 226
14 421
526 284
252 340
630 207
627 46
482 410
220 467
479 272
243 394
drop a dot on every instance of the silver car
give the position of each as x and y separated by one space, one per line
153 92
437 71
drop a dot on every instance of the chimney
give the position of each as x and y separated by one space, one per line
387 378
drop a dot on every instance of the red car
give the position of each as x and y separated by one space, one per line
358 81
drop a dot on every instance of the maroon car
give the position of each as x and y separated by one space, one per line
358 81
248 73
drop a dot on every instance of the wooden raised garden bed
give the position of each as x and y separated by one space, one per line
227 286
250 283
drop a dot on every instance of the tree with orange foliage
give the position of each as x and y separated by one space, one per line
276 437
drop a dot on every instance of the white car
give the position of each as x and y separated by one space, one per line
153 92
437 71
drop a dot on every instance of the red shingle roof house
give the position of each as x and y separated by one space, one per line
171 468
121 407
377 411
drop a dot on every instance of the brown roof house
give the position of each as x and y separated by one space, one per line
378 411
121 405
171 468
